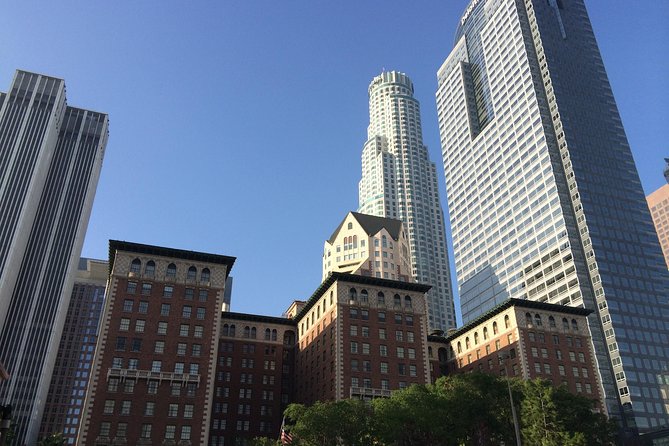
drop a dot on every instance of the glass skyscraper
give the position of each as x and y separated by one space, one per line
544 197
399 181
50 160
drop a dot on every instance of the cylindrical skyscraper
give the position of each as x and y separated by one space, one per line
399 181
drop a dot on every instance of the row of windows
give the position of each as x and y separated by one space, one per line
156 365
176 388
380 297
249 332
168 291
355 313
538 322
171 272
121 430
399 334
125 406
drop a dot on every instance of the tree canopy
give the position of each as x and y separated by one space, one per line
469 409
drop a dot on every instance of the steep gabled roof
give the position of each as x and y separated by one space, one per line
372 225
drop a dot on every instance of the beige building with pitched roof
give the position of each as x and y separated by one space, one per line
368 246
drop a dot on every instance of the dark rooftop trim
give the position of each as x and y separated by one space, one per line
522 303
258 318
363 280
372 224
117 245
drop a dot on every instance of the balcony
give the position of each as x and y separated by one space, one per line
124 374
366 392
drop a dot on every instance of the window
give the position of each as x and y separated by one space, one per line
551 321
191 274
364 297
150 268
120 343
181 349
574 325
140 324
494 326
400 352
171 271
407 301
200 313
125 407
109 407
409 320
507 323
382 333
170 432
112 385
165 309
194 369
173 410
381 298
149 408
352 295
162 328
156 366
105 428
412 370
189 293
402 369
383 350
354 347
205 275
135 266
365 348
117 363
152 388
129 386
199 330
143 307
127 306
202 295
197 350
364 315
121 430
136 345
184 329
146 431
125 324
186 311
168 290
146 289
382 316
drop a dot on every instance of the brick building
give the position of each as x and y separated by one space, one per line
360 337
153 379
526 339
254 377
65 400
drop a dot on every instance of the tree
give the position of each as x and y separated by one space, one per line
552 416
55 439
264 441
332 423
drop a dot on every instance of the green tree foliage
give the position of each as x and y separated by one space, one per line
53 440
333 423
469 409
264 441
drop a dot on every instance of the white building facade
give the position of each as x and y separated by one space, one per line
544 198
399 181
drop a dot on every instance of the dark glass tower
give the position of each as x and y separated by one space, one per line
544 196
50 161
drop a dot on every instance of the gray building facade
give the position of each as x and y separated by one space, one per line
50 160
544 196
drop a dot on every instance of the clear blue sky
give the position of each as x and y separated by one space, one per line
237 126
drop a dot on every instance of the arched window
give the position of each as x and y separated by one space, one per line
485 333
537 320
171 270
494 328
397 301
429 352
407 301
205 275
443 355
232 330
364 297
507 321
150 268
352 294
565 323
574 325
274 335
476 338
355 241
136 266
467 345
268 334
350 225
247 332
528 318
192 273
253 333
331 297
551 321
384 241
288 338
381 298
459 347
226 330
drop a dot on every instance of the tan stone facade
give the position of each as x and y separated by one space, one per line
658 203
369 246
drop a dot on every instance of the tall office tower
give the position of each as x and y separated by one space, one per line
544 197
50 161
369 246
153 375
658 203
69 380
399 181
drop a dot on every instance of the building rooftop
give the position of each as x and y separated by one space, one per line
372 225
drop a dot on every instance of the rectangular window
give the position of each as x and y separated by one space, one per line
109 407
410 337
146 289
354 347
170 432
173 410
382 333
149 408
382 316
198 332
156 366
125 324
181 349
184 330
197 349
168 290
165 309
162 328
186 311
400 352
127 306
412 370
399 335
190 292
125 407
202 296
200 313
143 307
139 325
131 288
146 431
112 385
120 343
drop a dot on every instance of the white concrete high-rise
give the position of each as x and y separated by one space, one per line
50 160
544 197
399 181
